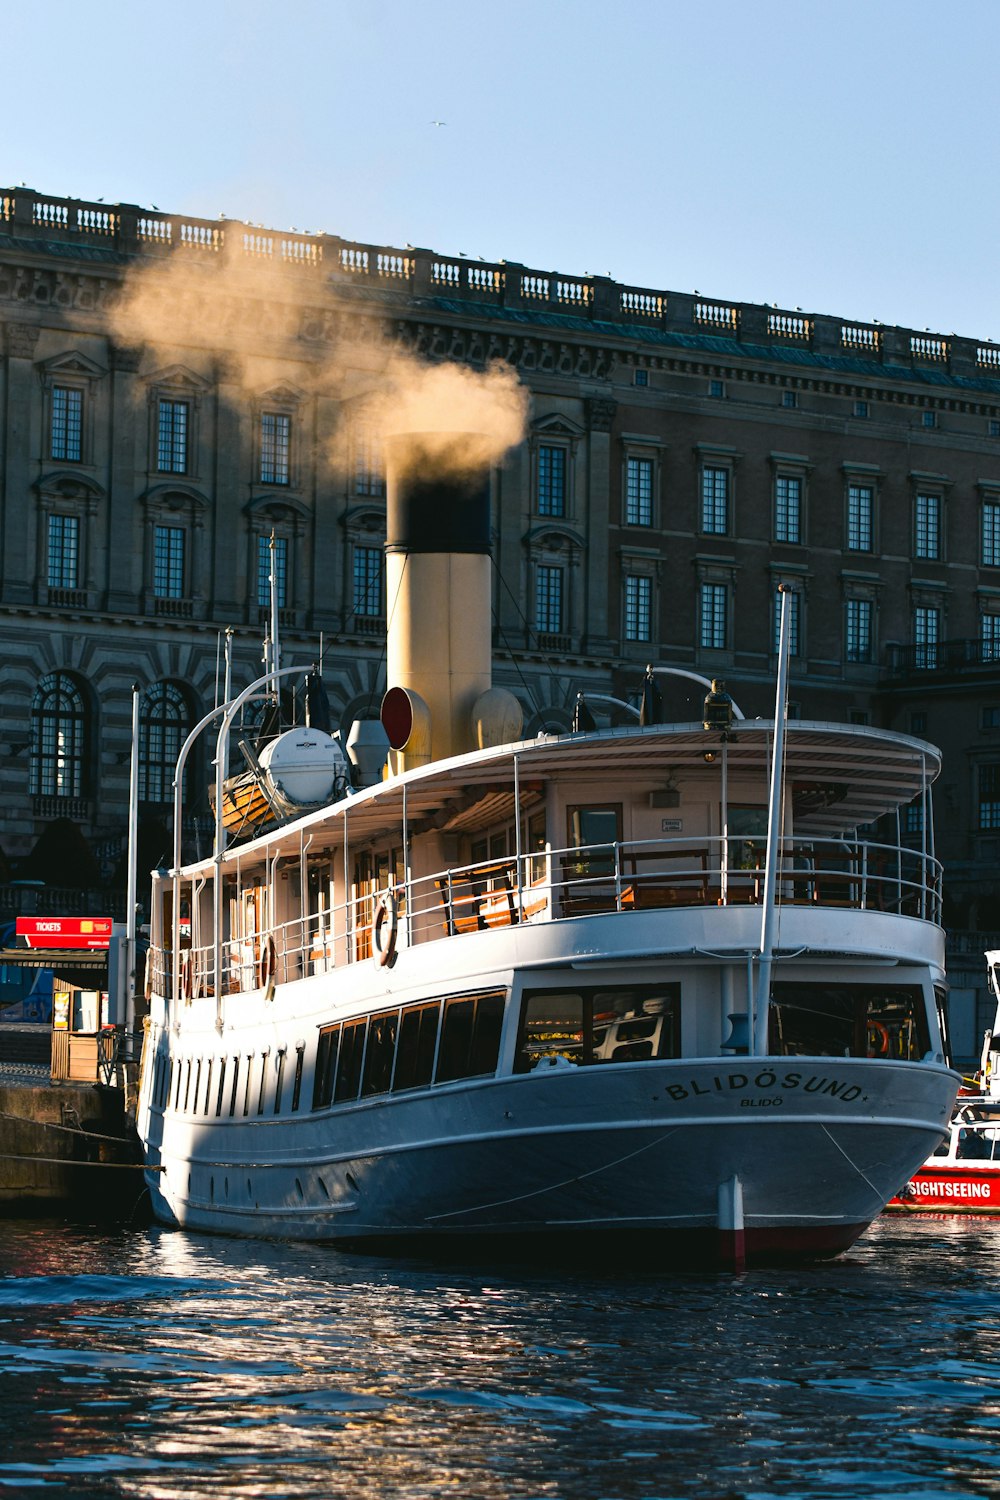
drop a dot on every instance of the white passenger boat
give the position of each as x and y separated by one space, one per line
673 985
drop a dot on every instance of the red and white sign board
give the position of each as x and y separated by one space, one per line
65 932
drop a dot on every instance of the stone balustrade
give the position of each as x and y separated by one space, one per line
135 231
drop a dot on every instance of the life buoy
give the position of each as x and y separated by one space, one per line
385 926
878 1039
266 962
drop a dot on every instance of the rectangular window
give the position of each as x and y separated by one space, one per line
928 526
417 1043
470 1037
794 600
327 1048
991 534
548 600
712 626
368 582
379 1054
914 818
586 1027
849 1020
860 505
715 501
369 465
859 630
638 608
67 423
172 437
989 637
861 409
275 443
168 562
264 571
639 492
926 634
641 377
789 400
64 552
300 1054
989 796
787 508
551 481
352 1046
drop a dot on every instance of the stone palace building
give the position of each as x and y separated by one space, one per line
684 456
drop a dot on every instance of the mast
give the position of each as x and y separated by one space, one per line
774 821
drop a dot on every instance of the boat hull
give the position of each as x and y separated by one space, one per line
649 1152
947 1190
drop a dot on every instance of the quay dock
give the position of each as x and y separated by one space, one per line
67 1147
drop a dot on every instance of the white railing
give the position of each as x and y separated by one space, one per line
557 885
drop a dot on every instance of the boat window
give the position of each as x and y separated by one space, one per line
236 1080
208 1084
418 1029
246 1091
352 1045
263 1081
624 1023
300 1053
941 1001
536 846
848 1020
591 827
222 1086
470 1036
379 1054
326 1066
279 1080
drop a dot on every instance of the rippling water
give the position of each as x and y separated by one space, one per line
160 1364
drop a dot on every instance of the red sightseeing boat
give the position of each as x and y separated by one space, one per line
963 1174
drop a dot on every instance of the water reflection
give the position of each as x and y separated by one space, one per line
157 1364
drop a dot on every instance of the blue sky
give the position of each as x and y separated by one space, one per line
839 157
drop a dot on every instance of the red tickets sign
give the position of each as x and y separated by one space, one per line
65 932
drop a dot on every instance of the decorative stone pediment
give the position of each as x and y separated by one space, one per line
178 380
553 537
71 366
285 395
172 495
557 426
282 508
69 485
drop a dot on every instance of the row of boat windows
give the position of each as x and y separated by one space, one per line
441 1041
249 1084
410 1048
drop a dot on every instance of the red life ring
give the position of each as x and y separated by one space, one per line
878 1036
266 963
385 927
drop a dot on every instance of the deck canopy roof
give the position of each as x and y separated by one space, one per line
841 777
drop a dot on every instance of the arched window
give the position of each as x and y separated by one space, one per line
58 738
164 723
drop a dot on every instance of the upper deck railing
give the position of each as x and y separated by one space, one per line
135 231
559 885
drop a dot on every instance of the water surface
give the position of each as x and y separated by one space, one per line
158 1364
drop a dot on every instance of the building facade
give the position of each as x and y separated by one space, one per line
683 457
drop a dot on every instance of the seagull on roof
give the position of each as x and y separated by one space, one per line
439 122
